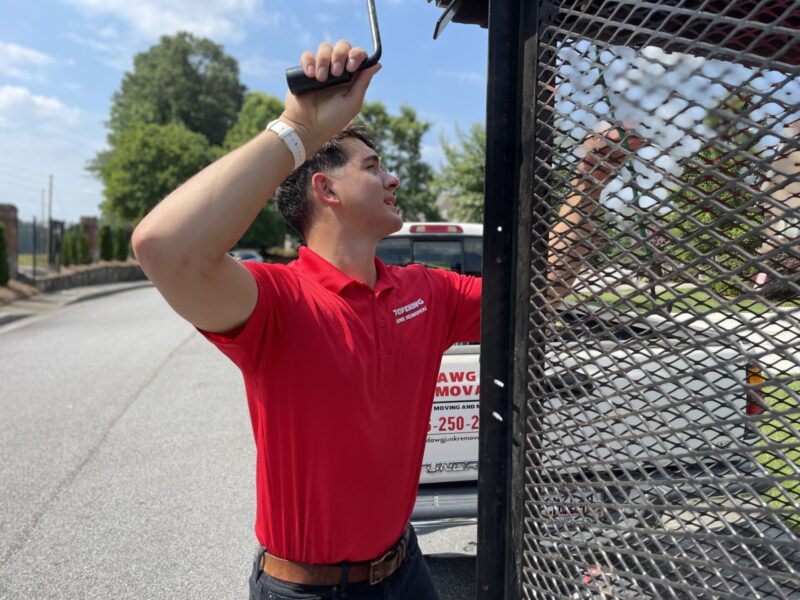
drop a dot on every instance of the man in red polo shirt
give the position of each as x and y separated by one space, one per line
339 352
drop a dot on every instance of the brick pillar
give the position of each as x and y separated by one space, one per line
8 217
89 225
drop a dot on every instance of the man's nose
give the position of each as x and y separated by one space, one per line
391 181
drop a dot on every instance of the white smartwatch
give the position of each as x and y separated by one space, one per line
289 137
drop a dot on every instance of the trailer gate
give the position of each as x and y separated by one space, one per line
640 418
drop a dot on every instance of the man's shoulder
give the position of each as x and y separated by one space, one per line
270 268
417 274
273 275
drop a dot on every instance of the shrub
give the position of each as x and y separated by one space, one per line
67 248
83 250
106 243
4 274
121 244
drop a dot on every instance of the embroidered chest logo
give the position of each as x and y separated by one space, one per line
410 311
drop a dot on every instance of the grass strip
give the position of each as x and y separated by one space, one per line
784 497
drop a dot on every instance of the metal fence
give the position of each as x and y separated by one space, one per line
641 421
32 250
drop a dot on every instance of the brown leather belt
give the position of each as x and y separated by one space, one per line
305 574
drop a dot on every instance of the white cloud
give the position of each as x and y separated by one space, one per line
324 18
39 136
257 66
20 62
463 76
113 52
216 19
303 34
19 105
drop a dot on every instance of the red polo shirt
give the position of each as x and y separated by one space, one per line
340 381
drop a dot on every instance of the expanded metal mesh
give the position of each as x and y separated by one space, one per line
663 357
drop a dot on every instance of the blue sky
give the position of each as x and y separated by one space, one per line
61 61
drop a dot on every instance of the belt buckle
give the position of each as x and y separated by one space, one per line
376 570
394 556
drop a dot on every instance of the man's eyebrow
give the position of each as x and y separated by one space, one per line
367 159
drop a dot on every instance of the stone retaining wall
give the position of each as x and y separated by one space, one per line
89 275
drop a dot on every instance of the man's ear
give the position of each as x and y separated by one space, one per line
322 188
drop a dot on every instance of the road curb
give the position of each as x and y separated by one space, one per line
6 319
12 313
102 293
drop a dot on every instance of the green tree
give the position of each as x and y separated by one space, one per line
399 139
182 79
462 176
4 274
148 162
257 111
269 228
68 256
715 224
106 242
122 242
84 250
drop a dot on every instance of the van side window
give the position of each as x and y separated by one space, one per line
395 251
442 254
473 256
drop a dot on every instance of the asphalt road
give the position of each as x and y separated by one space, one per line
127 466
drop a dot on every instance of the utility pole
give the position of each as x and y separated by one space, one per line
35 249
46 226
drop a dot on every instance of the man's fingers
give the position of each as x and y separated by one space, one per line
340 56
324 54
308 62
331 60
355 58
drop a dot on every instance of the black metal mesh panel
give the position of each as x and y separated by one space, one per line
663 419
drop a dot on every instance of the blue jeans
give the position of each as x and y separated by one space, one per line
412 581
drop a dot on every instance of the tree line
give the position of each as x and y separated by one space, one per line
183 106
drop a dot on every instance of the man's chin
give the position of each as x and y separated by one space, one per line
398 223
388 226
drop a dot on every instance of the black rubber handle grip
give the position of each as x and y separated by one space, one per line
300 83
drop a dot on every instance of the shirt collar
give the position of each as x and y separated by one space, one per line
332 278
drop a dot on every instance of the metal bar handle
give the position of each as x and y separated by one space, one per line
300 83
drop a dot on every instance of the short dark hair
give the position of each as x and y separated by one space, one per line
293 196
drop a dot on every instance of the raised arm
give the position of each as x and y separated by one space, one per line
182 243
570 239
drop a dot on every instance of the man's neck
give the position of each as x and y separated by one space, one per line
354 258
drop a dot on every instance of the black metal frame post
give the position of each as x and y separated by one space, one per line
506 298
626 436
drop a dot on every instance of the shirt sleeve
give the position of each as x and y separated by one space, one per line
464 304
245 344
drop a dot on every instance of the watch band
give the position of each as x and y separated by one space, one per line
289 137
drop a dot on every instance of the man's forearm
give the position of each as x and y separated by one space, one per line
570 236
201 220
